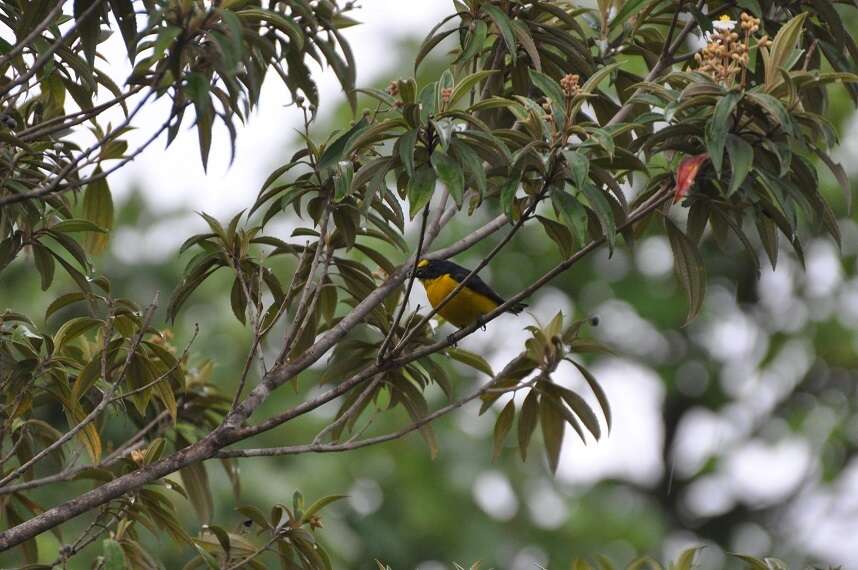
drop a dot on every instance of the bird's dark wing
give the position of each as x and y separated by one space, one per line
475 283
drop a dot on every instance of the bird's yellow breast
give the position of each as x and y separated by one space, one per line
463 309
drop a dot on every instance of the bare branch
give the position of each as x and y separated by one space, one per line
411 277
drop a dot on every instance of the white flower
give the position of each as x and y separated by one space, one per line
724 23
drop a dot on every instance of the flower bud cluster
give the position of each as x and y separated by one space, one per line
569 84
727 52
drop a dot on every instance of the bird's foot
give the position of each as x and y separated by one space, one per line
451 340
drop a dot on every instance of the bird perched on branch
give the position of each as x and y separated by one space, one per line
470 304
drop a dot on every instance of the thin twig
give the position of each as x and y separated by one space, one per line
301 310
349 413
412 276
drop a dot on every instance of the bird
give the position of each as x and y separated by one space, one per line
470 304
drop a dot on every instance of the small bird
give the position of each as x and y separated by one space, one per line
468 306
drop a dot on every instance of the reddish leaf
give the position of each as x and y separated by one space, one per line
686 173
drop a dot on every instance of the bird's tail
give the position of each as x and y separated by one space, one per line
517 308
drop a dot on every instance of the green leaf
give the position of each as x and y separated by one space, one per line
768 232
333 153
522 32
686 559
123 11
63 301
718 127
196 482
549 87
741 159
552 90
527 422
475 361
753 563
558 234
44 262
75 225
97 209
583 410
572 213
421 186
474 41
321 504
72 329
343 179
599 202
629 7
552 430
579 167
689 268
840 175
594 80
255 515
88 26
597 391
450 174
114 556
507 194
433 38
782 48
776 109
472 163
502 427
407 143
504 25
467 83
283 23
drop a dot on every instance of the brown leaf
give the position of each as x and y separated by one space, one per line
686 173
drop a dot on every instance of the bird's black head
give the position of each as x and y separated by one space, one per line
431 269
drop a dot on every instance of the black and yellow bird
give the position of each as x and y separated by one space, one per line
474 300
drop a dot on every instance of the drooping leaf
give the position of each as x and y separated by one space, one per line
196 482
333 153
741 155
502 427
450 174
98 209
686 174
471 359
572 213
689 268
504 25
719 126
527 421
421 186
553 427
